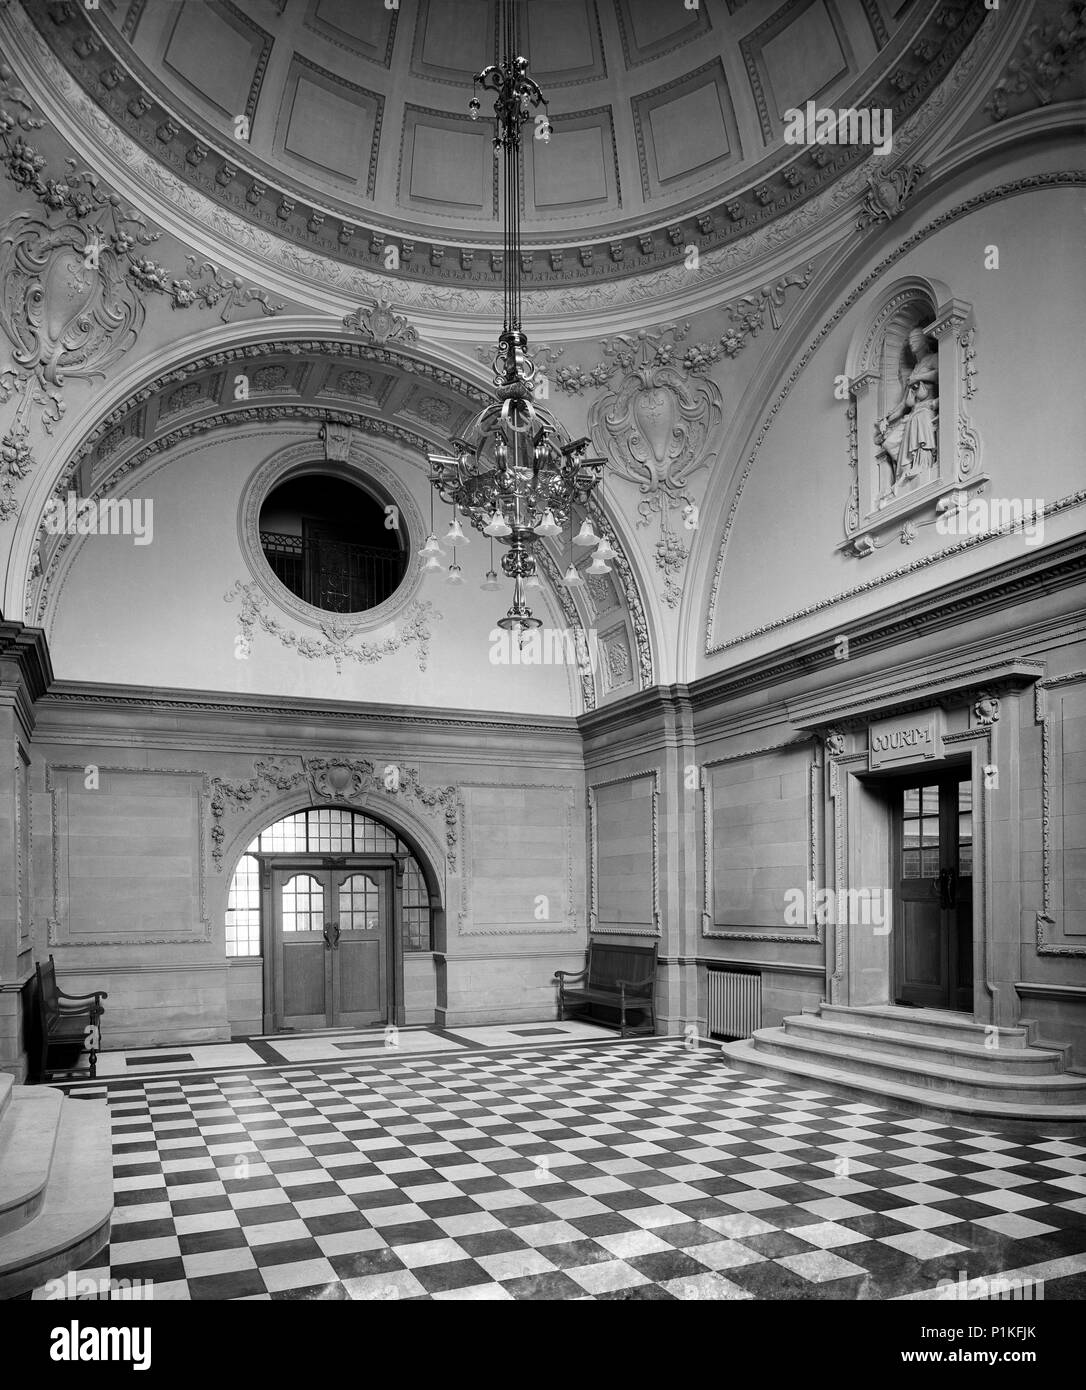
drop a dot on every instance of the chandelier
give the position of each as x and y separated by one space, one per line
514 473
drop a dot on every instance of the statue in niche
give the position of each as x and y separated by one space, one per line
906 435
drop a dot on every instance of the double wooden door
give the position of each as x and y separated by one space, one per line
933 820
331 941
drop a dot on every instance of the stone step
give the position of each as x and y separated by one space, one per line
1019 1061
28 1135
74 1221
1039 1091
931 1023
985 1114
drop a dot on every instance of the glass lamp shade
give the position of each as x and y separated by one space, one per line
532 582
604 551
497 525
455 534
432 563
599 565
490 583
455 575
571 579
586 535
547 525
431 547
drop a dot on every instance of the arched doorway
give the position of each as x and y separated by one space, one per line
338 908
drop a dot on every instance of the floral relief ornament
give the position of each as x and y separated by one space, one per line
338 633
73 277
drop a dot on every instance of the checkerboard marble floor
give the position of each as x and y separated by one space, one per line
598 1171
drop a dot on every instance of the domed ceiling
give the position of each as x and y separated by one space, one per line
343 124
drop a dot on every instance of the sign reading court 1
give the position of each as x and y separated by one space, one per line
907 738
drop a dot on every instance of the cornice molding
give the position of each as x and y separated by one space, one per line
88 694
26 671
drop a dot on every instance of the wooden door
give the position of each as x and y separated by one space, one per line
332 928
360 922
302 946
933 915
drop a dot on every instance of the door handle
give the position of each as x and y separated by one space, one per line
946 887
327 938
335 936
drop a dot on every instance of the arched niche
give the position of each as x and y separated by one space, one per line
910 372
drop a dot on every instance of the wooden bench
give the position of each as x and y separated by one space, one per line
618 980
69 1022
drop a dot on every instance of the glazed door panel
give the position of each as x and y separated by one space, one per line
360 935
299 904
934 899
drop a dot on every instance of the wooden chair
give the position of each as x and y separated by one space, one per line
70 1023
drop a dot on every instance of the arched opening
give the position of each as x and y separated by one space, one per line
338 909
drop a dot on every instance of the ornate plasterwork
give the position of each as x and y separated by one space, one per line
543 928
708 927
1051 52
795 197
656 423
381 324
888 194
652 774
1046 918
346 781
1059 179
73 280
631 592
339 636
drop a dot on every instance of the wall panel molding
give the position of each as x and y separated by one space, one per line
58 782
653 775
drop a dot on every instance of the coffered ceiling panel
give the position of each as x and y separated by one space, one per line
574 173
686 130
454 41
650 29
667 120
366 28
447 166
796 54
219 53
331 124
565 44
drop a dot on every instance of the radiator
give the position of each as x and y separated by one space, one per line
735 1004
